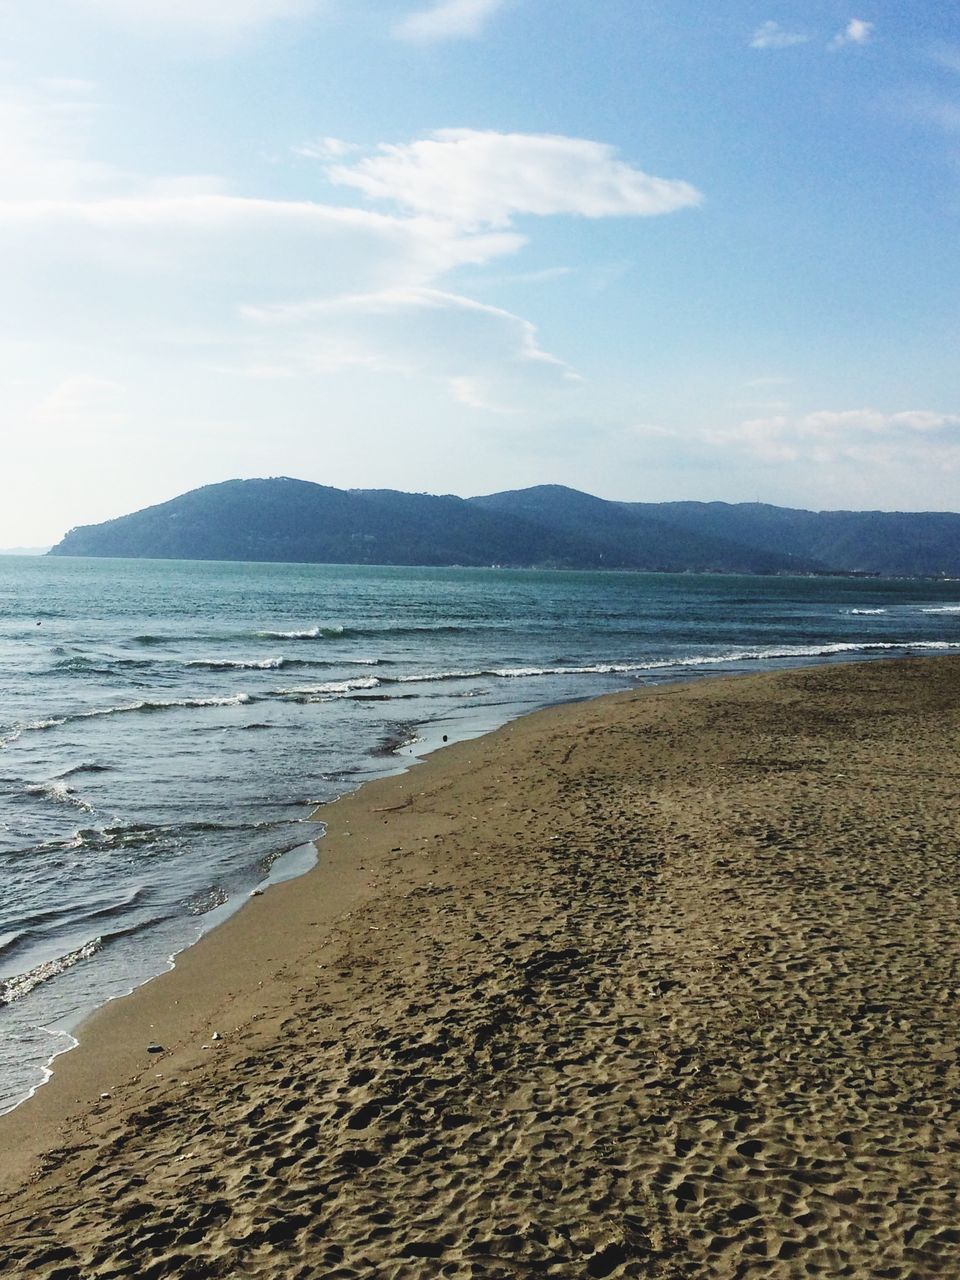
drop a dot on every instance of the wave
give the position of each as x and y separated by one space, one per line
33 924
772 653
22 984
91 767
864 613
136 835
310 633
276 664
103 664
337 631
235 664
58 791
331 688
147 704
127 708
943 608
17 731
10 941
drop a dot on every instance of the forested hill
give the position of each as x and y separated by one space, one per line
548 526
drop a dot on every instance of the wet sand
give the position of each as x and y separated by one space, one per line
664 984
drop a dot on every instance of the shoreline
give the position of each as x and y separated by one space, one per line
520 829
100 1055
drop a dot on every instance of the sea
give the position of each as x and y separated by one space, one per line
167 729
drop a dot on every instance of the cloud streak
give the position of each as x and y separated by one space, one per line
115 270
448 20
770 35
488 357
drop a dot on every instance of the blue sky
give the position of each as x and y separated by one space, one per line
654 251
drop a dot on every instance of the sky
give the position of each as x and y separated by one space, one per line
655 251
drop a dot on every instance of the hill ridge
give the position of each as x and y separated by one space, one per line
285 519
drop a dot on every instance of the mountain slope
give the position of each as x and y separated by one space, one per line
295 521
640 535
548 526
891 542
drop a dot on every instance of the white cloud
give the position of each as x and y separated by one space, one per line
222 16
448 20
75 228
152 267
855 32
772 36
475 177
486 356
864 437
133 275
325 149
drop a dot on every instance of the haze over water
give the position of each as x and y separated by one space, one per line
167 729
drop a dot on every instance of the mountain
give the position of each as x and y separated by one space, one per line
292 520
550 526
640 536
884 542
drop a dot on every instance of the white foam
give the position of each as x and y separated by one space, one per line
234 700
22 984
217 664
332 687
773 653
943 608
311 633
58 790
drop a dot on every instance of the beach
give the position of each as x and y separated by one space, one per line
660 984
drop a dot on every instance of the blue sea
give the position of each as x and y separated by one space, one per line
168 728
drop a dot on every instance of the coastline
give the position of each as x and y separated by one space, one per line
522 837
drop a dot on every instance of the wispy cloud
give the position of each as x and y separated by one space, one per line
486 356
857 31
477 178
862 436
448 20
772 36
103 259
325 149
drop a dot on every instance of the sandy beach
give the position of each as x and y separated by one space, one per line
664 984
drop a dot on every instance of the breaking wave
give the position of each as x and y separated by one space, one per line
311 633
233 664
57 790
22 984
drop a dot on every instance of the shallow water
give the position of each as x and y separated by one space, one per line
167 728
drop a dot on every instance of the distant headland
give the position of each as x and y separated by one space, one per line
548 526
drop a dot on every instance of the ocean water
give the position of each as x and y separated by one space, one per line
167 728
